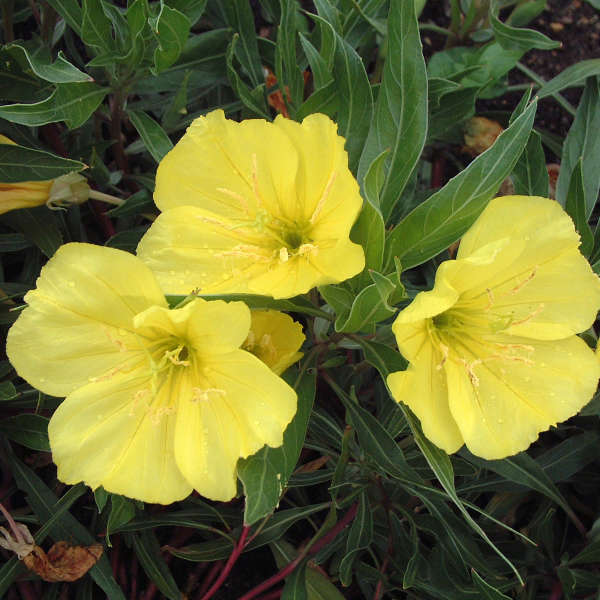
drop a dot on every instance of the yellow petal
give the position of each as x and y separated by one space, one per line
423 388
325 188
186 251
214 327
219 161
241 406
539 285
79 322
431 303
255 207
503 403
275 339
106 434
541 222
25 194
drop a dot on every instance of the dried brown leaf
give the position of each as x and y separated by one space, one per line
63 562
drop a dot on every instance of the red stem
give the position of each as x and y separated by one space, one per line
556 593
379 588
437 171
206 583
229 565
289 568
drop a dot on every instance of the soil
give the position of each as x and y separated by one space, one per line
575 23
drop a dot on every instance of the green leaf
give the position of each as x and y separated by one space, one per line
192 9
513 38
276 526
100 497
590 554
29 430
400 120
122 510
524 470
440 464
447 214
240 18
38 225
96 29
385 359
572 76
248 97
70 11
44 503
582 142
562 461
7 391
576 208
370 306
171 29
360 537
40 61
155 139
295 584
18 163
266 473
488 592
287 71
355 106
319 67
369 229
323 100
147 550
70 102
530 175
457 106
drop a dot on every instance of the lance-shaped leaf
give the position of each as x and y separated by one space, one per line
447 214
18 163
400 120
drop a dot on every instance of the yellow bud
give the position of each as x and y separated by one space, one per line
480 134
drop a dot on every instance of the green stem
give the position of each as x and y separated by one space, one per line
541 81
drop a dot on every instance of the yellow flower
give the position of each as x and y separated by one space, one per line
254 207
494 359
62 191
158 401
275 338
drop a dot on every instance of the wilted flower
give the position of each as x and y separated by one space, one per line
480 134
61 192
158 401
254 207
275 338
494 358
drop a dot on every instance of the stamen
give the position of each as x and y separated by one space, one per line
283 255
323 198
532 315
445 353
202 395
491 300
173 356
243 201
520 286
305 249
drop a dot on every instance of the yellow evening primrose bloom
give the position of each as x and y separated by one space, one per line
158 401
71 188
254 207
275 338
494 355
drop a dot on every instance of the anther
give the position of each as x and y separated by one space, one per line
519 286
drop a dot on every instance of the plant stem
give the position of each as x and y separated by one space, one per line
312 548
541 81
230 562
7 21
96 195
